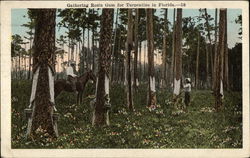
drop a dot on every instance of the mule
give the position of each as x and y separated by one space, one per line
81 84
75 84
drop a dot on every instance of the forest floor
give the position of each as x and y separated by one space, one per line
164 127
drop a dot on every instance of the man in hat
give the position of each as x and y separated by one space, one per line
187 89
71 76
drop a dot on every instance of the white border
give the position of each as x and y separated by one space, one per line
6 94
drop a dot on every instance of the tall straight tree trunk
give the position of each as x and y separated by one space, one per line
178 53
136 49
128 65
82 54
96 56
210 42
164 52
173 53
215 50
16 67
69 49
93 50
58 63
101 106
219 61
197 62
226 80
30 56
78 56
113 48
119 61
24 66
19 65
140 64
151 72
42 99
88 52
72 50
144 62
78 48
123 69
207 65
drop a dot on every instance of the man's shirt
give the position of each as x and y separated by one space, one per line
70 71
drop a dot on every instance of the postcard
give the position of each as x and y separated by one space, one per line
124 79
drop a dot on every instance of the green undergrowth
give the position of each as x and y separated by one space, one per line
199 126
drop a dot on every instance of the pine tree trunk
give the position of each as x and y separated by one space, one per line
69 49
210 43
172 73
151 72
144 62
136 49
226 80
140 64
197 63
93 50
30 56
164 52
100 113
19 65
72 50
215 50
25 66
82 55
128 65
16 67
119 63
219 62
178 53
43 61
114 55
88 52
207 65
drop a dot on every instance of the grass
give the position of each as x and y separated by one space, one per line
165 127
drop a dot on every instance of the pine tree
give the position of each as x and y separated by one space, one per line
102 105
151 72
220 61
178 53
42 99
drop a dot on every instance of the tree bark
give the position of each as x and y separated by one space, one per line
83 56
197 62
226 80
144 62
93 50
19 66
100 112
151 72
140 64
210 53
30 56
164 51
69 49
219 62
136 50
215 50
128 65
113 49
173 53
207 65
72 50
178 53
44 48
88 52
